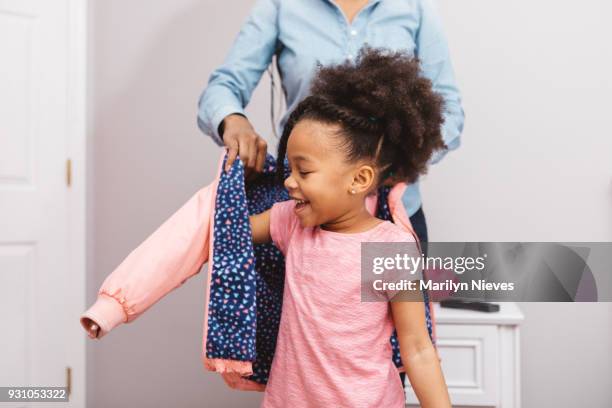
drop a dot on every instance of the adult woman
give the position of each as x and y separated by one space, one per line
305 33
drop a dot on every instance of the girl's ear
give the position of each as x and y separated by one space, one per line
363 179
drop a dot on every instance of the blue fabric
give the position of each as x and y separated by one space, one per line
420 228
246 284
304 33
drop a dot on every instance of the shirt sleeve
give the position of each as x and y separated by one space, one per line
283 222
231 85
432 50
405 244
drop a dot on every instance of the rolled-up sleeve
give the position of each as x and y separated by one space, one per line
432 50
231 85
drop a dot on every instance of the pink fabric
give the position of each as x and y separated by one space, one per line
172 254
163 262
332 349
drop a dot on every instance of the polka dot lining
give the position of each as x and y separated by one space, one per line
246 284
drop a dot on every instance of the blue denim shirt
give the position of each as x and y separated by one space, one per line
303 33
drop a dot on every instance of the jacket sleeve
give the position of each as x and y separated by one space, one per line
231 85
164 261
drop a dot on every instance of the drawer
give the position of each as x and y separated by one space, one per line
470 362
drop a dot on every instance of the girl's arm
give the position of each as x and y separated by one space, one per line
260 226
419 356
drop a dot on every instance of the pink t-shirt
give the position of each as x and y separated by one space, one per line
332 350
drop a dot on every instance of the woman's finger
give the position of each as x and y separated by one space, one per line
232 152
243 150
252 157
262 148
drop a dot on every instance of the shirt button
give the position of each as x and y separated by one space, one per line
353 32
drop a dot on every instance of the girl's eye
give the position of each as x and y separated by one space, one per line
304 173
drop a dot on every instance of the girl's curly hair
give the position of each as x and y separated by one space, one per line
387 111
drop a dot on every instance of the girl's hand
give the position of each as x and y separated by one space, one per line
92 328
240 139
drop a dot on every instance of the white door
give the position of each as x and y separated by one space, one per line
37 276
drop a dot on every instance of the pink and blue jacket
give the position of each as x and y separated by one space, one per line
244 291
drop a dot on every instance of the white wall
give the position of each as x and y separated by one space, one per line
533 166
535 163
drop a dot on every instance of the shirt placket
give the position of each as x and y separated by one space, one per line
352 33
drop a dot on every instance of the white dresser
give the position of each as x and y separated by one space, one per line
480 356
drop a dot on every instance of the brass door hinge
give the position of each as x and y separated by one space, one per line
68 172
68 380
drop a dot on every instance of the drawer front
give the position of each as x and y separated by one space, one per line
470 363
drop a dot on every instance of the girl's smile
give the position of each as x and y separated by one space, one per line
300 204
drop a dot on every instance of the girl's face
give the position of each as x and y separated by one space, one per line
321 180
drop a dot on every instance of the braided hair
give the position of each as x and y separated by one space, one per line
386 110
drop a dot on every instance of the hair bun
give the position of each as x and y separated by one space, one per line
380 99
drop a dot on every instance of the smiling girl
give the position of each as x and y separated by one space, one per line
366 123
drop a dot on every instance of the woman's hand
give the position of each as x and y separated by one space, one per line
240 139
92 328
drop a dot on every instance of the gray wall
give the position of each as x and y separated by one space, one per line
151 59
535 166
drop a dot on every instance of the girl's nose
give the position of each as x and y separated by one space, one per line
290 183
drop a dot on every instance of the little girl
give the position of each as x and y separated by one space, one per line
366 123
363 122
